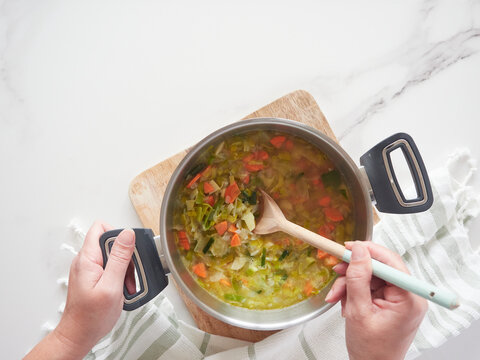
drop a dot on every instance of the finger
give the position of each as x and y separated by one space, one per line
386 256
338 290
119 259
90 247
341 269
382 254
359 275
343 302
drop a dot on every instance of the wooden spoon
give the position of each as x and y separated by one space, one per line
272 220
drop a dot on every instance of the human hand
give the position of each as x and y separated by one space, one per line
381 319
94 299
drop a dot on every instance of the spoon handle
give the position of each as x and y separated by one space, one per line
407 282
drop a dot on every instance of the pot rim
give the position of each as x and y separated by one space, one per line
198 149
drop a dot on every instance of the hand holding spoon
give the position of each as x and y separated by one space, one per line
273 220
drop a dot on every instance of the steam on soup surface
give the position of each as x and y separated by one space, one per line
215 213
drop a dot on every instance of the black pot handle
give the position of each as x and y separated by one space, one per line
386 189
151 275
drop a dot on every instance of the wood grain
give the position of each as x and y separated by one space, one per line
146 193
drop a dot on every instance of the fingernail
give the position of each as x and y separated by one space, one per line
126 237
358 251
329 295
349 242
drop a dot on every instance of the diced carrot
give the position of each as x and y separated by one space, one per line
247 158
331 261
316 181
254 167
194 180
231 193
324 230
225 282
221 227
244 281
206 169
308 288
321 254
260 155
232 228
277 141
200 270
333 214
207 188
289 145
183 240
210 200
324 201
275 195
246 179
331 226
235 240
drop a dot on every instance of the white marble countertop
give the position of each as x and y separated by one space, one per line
93 92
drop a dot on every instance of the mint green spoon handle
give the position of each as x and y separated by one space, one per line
407 282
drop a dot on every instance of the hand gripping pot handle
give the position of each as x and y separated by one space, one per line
151 275
386 189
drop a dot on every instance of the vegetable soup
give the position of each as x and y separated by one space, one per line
216 208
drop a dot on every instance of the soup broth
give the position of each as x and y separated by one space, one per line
217 206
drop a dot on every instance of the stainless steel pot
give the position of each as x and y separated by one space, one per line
374 181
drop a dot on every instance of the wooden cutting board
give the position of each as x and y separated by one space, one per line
146 193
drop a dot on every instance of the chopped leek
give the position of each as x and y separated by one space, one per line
284 255
209 244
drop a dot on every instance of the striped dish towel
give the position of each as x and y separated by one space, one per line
434 245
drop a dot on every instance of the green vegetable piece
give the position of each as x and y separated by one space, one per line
344 193
284 255
209 244
264 255
234 297
259 291
331 178
236 284
284 277
248 198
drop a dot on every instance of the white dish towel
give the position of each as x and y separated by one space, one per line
434 245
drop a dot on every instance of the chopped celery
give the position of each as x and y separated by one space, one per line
190 204
249 220
234 297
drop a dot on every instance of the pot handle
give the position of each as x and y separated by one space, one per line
386 189
151 276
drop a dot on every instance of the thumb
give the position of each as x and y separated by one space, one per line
359 275
119 259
